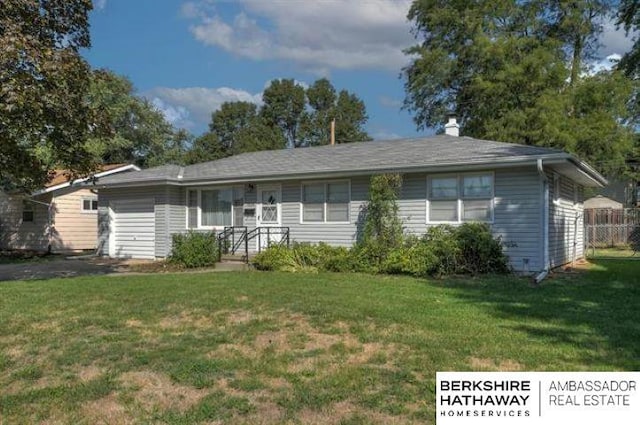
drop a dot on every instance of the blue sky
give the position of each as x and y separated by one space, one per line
188 57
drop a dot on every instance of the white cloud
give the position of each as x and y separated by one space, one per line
191 107
319 36
604 64
614 40
100 4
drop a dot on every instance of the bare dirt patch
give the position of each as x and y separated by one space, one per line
105 411
506 365
153 390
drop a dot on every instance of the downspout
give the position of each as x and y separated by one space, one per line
545 224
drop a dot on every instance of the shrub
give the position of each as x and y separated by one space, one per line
194 249
479 251
304 257
441 241
443 250
275 258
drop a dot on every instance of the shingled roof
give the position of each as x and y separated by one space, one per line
436 152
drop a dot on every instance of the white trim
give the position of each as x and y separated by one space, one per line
460 197
325 183
259 189
77 181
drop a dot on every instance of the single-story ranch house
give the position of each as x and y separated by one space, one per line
60 217
531 196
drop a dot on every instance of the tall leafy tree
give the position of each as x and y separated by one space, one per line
514 71
284 104
629 19
44 117
324 105
205 148
128 128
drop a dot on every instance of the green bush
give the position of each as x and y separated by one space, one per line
275 258
443 250
479 252
304 257
194 249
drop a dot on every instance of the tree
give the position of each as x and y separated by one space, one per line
239 128
514 71
629 19
128 128
44 118
284 103
346 108
205 148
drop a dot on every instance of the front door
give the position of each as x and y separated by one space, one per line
269 214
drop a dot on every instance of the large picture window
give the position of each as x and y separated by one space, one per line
208 208
466 197
325 202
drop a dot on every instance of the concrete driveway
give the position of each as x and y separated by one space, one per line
63 268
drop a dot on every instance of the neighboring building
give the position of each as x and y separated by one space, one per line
61 217
626 192
531 196
602 202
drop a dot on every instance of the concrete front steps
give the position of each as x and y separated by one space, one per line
232 262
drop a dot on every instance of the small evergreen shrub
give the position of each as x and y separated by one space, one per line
194 249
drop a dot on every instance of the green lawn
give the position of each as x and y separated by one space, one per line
290 348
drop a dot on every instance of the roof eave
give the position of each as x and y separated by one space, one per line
499 163
81 180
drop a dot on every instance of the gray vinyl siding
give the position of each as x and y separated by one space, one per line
517 212
518 216
566 223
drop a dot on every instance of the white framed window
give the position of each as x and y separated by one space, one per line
461 197
89 205
27 212
210 208
325 202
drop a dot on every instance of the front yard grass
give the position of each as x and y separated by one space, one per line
294 348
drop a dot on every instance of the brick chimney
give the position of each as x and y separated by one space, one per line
452 128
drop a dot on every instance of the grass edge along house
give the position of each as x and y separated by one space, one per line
532 197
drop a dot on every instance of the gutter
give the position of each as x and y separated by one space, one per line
545 223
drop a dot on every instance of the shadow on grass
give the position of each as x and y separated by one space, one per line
596 313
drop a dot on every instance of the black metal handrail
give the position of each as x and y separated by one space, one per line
233 238
258 232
